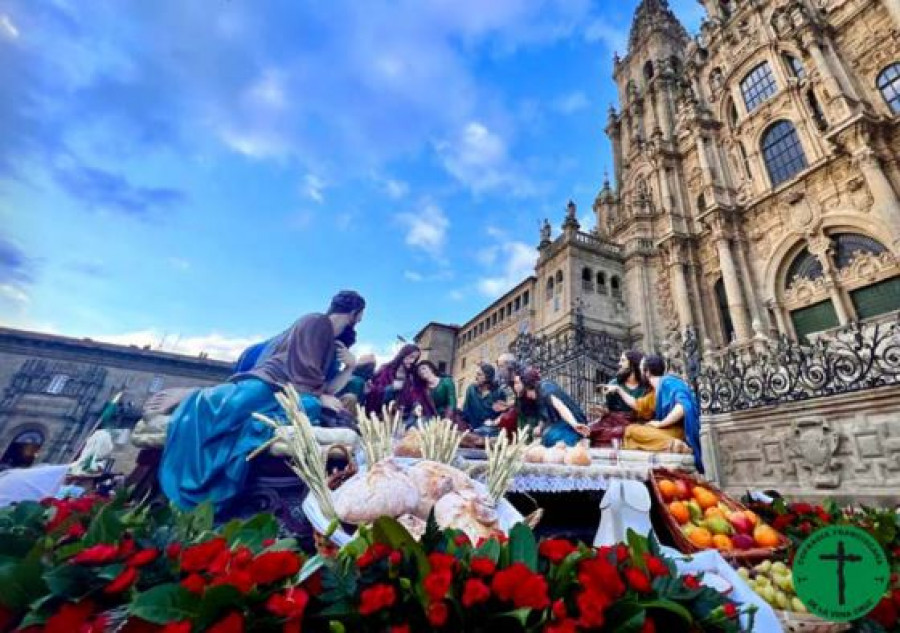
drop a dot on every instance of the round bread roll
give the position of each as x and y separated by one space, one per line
383 490
578 455
535 454
410 445
556 454
433 480
469 511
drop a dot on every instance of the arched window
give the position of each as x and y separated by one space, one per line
888 83
559 278
601 283
795 67
549 293
701 203
615 287
648 70
758 85
782 152
848 245
805 266
587 279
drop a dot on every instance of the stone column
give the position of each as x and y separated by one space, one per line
893 7
831 83
736 307
886 201
664 193
668 107
704 162
747 274
680 291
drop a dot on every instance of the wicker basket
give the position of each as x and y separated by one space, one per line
683 544
808 623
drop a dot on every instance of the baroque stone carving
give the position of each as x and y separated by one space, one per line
813 443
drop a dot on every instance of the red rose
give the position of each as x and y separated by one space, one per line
273 566
399 628
289 605
198 557
76 530
438 583
313 584
482 566
461 540
885 613
806 527
97 555
532 593
122 582
438 613
592 606
376 597
730 610
220 563
83 504
194 583
622 553
242 557
559 609
691 582
441 562
649 625
127 547
237 578
231 623
638 580
656 566
173 550
269 542
562 626
70 617
895 596
143 557
505 582
824 517
801 508
395 558
97 625
372 555
177 627
782 521
475 592
600 574
60 514
555 550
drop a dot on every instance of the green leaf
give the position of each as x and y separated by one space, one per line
69 581
388 531
310 567
626 616
165 603
34 618
522 546
336 627
28 514
672 607
215 603
22 583
489 549
105 528
519 615
638 546
433 535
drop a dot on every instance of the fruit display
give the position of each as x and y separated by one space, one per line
774 582
706 518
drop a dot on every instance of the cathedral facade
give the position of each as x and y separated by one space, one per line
755 189
756 168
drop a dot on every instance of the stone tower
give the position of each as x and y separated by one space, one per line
756 168
579 276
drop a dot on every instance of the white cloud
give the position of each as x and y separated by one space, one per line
313 187
417 277
411 275
487 256
215 345
383 352
571 102
426 229
269 91
396 189
7 27
15 294
613 37
517 260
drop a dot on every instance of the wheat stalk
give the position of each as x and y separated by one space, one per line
440 440
377 434
305 455
504 460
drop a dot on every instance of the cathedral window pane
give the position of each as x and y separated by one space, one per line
847 245
758 85
889 85
815 318
559 278
805 266
549 292
587 279
878 298
615 287
782 152
57 384
601 283
795 66
525 299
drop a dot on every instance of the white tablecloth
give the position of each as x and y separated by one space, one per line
557 478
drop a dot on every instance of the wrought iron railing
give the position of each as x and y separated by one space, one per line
772 371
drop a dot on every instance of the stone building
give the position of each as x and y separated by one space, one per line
438 344
54 387
756 168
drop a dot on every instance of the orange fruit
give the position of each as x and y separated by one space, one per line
705 498
722 543
750 514
667 489
701 537
680 511
715 511
766 536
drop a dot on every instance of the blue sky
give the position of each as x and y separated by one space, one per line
198 174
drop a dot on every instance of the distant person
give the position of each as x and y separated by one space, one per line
618 415
481 399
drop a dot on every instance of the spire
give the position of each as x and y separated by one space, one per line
654 15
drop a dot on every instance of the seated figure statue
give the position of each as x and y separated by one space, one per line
211 431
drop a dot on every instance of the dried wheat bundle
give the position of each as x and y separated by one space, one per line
504 460
440 439
305 455
377 434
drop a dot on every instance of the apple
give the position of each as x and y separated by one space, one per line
681 489
740 522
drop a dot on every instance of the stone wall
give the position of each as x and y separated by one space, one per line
844 447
